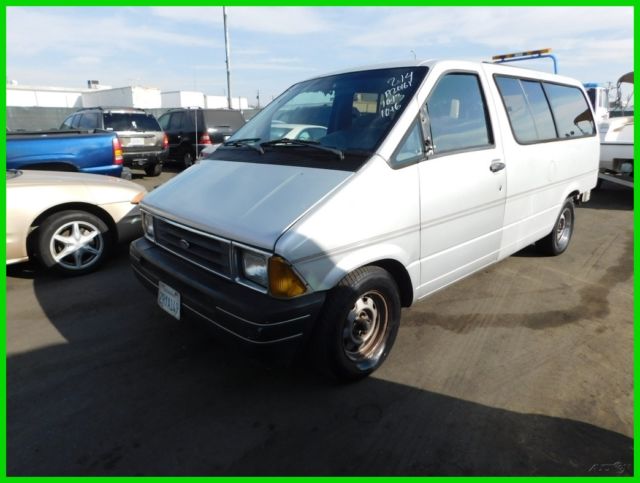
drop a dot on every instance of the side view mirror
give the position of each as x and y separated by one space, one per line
428 147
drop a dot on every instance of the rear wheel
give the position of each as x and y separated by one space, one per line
558 240
359 324
187 159
153 170
73 242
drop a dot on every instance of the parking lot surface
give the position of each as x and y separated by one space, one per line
525 368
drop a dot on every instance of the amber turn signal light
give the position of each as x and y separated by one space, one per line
283 281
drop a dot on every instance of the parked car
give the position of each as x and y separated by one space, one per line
144 144
427 173
83 151
69 221
189 133
304 132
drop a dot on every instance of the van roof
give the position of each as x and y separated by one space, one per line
460 64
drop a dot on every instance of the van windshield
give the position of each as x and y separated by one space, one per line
349 112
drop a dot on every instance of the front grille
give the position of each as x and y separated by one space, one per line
210 253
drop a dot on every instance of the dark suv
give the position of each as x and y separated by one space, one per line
144 145
210 126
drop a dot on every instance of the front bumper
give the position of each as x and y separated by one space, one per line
233 311
130 226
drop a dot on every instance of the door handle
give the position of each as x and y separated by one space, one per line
497 165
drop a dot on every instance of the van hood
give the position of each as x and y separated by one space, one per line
252 203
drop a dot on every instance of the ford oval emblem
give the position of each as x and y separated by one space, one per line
184 244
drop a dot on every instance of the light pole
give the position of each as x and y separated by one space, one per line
226 48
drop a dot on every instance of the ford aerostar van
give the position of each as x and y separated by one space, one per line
423 174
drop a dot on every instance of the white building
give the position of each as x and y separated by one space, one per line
171 99
30 96
221 102
130 96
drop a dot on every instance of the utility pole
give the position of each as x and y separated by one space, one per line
258 98
226 48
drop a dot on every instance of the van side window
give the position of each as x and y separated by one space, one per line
570 110
411 148
527 108
457 114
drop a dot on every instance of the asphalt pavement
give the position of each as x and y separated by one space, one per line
525 368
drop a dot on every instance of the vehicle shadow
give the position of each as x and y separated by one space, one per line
610 197
135 392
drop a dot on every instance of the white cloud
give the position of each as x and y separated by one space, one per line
34 30
275 20
511 28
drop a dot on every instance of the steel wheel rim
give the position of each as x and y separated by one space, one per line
76 245
365 329
564 227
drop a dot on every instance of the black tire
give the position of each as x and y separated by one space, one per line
187 159
347 316
72 225
558 240
153 169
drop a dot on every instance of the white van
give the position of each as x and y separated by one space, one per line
412 177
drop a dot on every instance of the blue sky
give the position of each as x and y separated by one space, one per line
182 48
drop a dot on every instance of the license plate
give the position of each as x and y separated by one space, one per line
136 141
169 300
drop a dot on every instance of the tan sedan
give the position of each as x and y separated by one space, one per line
69 221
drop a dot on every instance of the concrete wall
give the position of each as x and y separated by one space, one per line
36 118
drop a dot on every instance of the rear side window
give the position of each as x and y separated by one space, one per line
67 123
457 114
125 121
542 111
164 122
527 108
89 120
75 121
570 110
175 124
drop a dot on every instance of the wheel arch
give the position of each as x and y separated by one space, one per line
88 207
401 276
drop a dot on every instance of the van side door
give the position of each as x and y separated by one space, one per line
462 181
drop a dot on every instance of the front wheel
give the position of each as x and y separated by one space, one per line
73 242
558 240
358 325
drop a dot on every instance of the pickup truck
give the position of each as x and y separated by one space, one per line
86 152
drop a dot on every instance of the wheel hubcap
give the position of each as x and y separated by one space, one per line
76 245
365 328
563 228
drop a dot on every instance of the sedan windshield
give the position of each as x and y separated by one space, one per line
348 112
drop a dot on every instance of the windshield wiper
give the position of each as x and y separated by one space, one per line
300 142
238 143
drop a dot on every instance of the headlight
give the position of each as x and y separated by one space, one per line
254 267
147 226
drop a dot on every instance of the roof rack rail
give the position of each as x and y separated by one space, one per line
527 55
